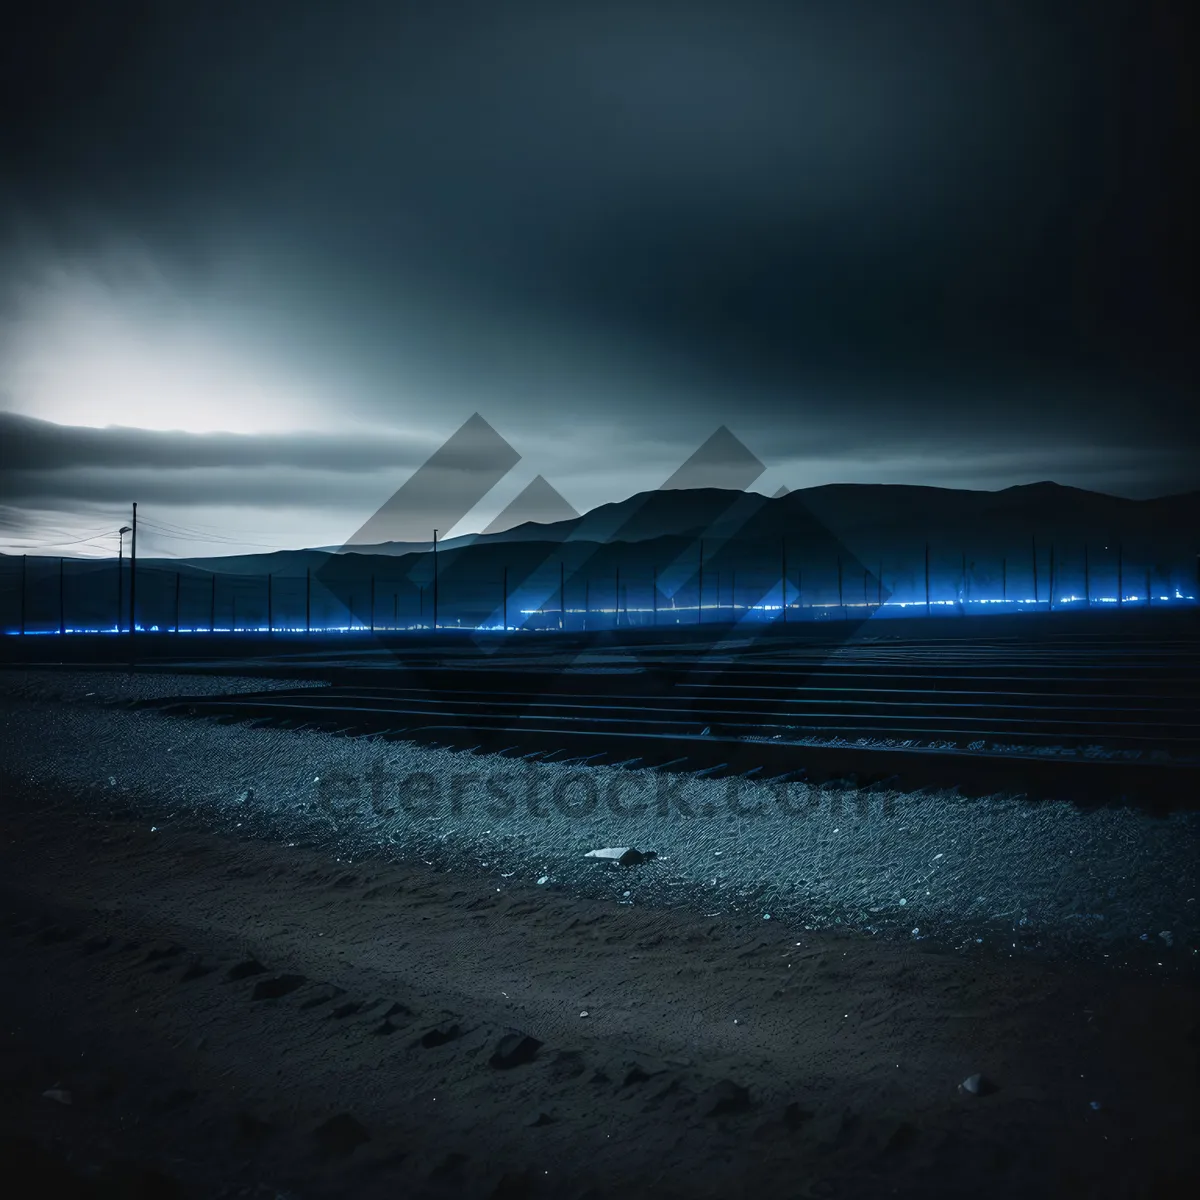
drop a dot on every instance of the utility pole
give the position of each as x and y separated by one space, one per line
435 580
121 574
783 576
1004 579
1120 576
654 590
308 599
395 611
927 579
177 601
24 573
587 603
270 605
700 587
962 583
1147 587
133 582
372 603
841 602
1050 598
617 599
562 597
1087 579
1035 579
879 587
421 603
733 594
62 601
504 599
212 604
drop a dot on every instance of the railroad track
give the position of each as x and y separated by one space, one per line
1092 720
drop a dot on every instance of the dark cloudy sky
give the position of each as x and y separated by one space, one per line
259 260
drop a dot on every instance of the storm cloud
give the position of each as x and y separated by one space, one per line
929 242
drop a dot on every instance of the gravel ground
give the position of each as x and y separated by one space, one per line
993 874
126 685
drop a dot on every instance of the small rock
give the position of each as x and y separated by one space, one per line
627 856
1167 936
440 1035
514 1050
976 1085
726 1097
794 1115
632 857
340 1135
244 970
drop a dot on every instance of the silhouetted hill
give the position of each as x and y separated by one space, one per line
838 541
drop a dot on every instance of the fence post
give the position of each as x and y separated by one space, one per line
176 601
62 602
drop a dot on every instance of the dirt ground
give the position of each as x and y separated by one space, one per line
189 1015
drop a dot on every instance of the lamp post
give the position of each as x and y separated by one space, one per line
121 572
133 585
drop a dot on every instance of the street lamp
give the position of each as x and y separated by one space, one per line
120 571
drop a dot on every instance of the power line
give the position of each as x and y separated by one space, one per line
56 545
187 536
